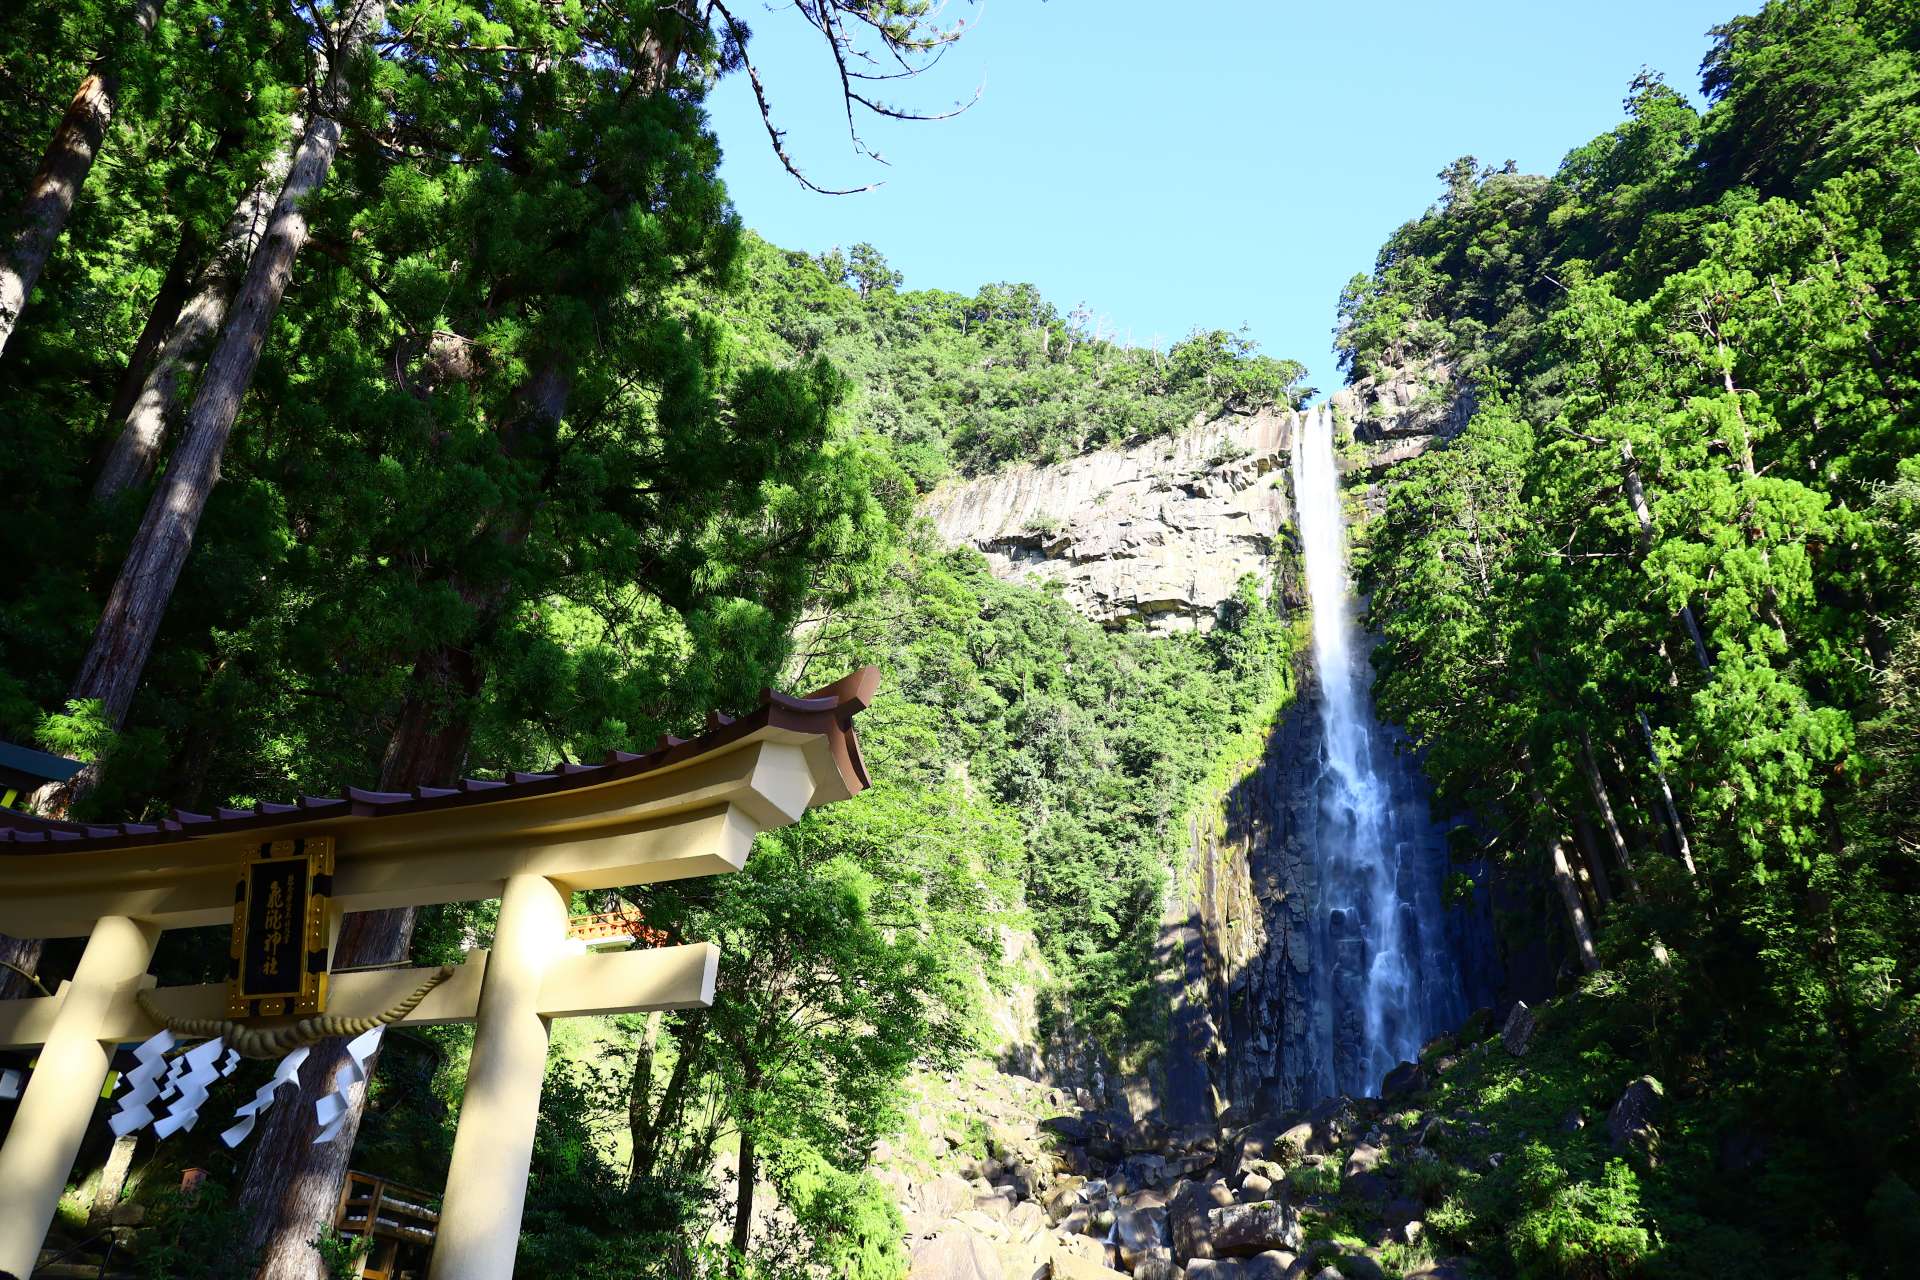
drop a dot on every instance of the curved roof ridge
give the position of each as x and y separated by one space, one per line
827 712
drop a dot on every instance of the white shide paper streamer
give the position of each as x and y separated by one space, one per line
249 1112
202 1071
332 1109
143 1086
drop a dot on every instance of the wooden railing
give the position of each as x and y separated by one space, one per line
401 1220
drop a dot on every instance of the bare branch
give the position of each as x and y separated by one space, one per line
775 135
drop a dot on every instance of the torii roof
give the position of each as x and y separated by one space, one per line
826 713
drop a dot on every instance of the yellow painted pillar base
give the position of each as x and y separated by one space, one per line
64 1087
493 1147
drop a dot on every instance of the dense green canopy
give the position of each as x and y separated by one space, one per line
1675 548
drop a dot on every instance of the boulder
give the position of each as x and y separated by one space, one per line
1443 1269
1517 1034
1400 1212
1270 1170
1630 1122
1404 1081
1363 1160
1130 1259
1274 1264
1292 1142
1255 1187
1243 1230
1217 1269
1370 1187
1064 1198
955 1255
1360 1266
1081 1247
1187 1211
1026 1221
1071 1266
945 1196
1142 1228
1157 1269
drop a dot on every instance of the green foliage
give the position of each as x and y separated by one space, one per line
194 1235
847 1224
1695 417
1577 1229
1080 749
969 384
340 1255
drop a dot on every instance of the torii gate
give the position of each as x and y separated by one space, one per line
685 809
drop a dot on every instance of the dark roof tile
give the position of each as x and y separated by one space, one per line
828 712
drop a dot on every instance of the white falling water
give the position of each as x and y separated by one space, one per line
1385 976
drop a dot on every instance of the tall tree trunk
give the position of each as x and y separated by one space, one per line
749 1162
18 958
113 1180
123 640
1603 802
167 301
672 1099
1569 890
1637 496
1670 809
63 171
292 1186
640 1095
143 419
1594 865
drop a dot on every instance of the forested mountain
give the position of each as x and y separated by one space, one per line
400 397
397 395
1653 613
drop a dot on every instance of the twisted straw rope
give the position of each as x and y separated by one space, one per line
271 1042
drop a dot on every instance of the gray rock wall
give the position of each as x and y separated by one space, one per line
1160 532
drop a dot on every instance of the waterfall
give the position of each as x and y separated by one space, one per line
1385 975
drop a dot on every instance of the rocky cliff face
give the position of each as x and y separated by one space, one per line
1160 532
1162 1177
1248 889
1399 417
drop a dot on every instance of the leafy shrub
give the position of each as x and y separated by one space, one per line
195 1235
1585 1231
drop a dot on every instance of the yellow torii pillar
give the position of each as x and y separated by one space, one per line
685 809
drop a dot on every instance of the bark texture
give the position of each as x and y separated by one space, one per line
18 957
123 640
1603 802
1670 809
167 301
143 416
1570 896
63 171
292 1186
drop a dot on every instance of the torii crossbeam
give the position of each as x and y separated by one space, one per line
685 809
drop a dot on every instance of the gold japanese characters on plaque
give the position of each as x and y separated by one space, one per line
278 961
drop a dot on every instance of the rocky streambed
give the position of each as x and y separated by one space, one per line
1017 1182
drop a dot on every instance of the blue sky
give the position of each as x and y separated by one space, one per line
1188 163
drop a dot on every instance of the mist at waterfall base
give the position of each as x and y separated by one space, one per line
1387 975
